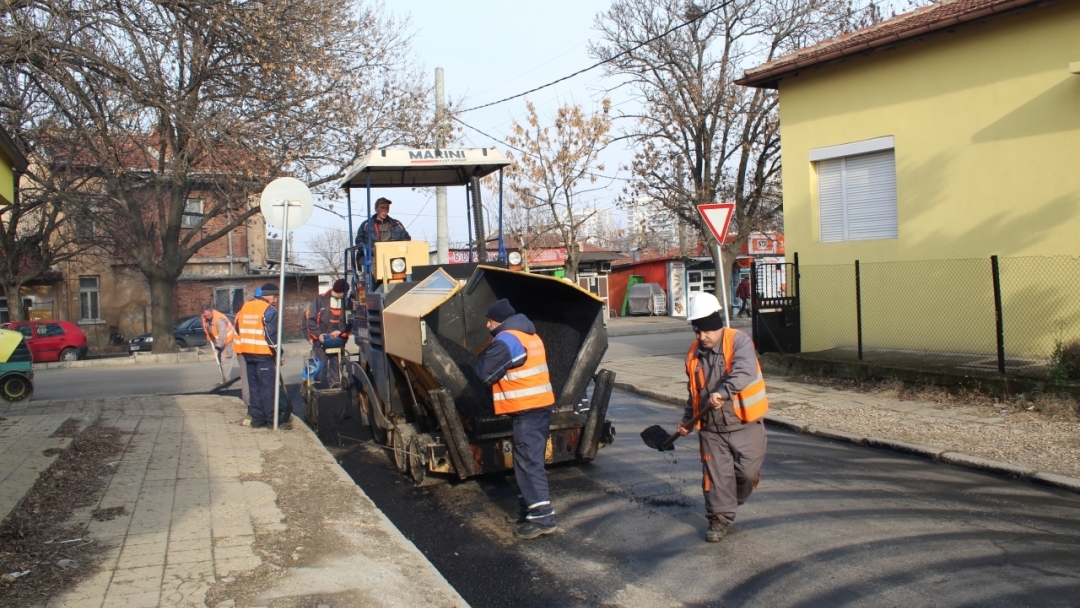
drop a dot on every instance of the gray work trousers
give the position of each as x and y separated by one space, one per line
330 364
731 468
244 390
225 358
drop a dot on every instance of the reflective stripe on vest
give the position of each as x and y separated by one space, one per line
528 386
210 330
750 404
251 334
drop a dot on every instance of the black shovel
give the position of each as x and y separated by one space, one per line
658 439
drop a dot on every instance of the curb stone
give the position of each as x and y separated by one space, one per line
819 431
983 464
952 458
1059 481
905 448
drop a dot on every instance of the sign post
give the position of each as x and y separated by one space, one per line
286 203
717 217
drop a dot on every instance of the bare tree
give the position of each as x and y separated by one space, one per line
556 165
40 228
699 137
326 250
165 101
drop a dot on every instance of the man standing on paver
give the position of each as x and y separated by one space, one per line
724 374
220 334
515 365
256 325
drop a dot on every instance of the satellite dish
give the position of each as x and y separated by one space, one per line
286 193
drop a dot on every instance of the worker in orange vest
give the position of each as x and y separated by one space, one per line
220 334
723 373
257 341
515 365
327 326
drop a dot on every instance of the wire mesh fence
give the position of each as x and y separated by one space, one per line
1007 315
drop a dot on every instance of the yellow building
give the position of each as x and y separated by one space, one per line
12 164
921 146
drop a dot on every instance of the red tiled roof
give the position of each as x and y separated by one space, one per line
936 17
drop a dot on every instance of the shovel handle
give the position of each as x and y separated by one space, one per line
690 423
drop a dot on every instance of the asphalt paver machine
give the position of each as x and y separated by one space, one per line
420 328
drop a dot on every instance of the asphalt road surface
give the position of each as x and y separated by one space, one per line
831 524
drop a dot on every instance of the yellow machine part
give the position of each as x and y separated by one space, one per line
8 341
414 253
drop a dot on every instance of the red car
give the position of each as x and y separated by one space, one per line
51 340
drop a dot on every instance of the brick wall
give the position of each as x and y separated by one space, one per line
190 295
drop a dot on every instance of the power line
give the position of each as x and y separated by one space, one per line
508 145
600 63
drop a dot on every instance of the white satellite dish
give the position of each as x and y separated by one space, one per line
286 195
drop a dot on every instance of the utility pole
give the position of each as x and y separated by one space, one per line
442 230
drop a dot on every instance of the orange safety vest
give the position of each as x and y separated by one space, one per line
230 334
750 404
251 338
526 387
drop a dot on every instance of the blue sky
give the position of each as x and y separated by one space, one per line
490 50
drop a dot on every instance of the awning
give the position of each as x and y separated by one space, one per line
423 167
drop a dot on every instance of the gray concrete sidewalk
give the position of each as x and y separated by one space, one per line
1017 444
220 513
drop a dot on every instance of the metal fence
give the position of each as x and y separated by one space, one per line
1004 315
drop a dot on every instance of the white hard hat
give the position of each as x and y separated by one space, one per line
702 305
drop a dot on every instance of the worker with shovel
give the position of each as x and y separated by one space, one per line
726 385
220 334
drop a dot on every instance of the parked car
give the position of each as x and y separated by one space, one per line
188 333
51 340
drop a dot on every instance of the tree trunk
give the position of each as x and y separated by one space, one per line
163 310
14 303
573 254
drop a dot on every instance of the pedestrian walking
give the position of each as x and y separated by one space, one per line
256 328
220 334
515 365
742 291
326 326
723 373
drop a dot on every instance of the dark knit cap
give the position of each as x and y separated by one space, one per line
711 322
269 289
500 311
339 286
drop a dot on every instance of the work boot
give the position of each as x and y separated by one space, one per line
517 517
529 530
717 530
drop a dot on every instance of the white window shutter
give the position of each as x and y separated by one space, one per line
870 188
831 200
857 197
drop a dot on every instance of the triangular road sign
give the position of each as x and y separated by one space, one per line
717 217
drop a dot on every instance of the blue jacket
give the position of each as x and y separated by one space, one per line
506 351
369 231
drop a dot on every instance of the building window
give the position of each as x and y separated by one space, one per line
85 227
857 191
193 213
89 299
5 314
228 300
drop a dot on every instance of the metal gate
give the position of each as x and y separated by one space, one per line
775 313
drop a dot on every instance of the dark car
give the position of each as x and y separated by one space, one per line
188 333
52 340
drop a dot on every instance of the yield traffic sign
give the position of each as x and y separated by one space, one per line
717 216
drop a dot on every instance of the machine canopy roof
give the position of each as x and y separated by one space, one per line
423 167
